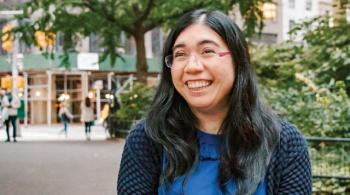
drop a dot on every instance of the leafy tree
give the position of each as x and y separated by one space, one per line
108 18
134 105
328 49
309 83
306 83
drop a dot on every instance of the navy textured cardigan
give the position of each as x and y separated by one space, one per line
289 171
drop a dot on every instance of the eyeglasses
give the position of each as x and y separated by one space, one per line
179 60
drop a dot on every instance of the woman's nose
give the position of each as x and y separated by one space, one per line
193 65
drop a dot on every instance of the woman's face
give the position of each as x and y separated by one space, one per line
206 79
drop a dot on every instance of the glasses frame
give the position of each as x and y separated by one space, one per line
166 61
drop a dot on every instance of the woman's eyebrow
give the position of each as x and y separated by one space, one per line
206 41
200 43
179 45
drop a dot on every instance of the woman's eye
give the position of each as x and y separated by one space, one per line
179 54
208 51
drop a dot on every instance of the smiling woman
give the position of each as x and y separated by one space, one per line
206 79
207 131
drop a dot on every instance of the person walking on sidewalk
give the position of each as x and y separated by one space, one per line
65 116
87 116
11 103
3 110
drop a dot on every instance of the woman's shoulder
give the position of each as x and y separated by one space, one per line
139 140
292 143
290 164
291 139
140 166
137 132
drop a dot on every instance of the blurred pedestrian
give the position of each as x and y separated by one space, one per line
3 110
114 106
87 116
104 116
65 116
10 103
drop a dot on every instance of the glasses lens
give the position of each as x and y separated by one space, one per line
169 61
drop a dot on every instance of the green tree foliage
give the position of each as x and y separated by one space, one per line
309 82
328 51
108 18
134 105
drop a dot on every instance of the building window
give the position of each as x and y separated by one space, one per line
308 5
23 48
291 4
291 24
130 46
269 11
266 38
157 42
59 42
292 36
94 43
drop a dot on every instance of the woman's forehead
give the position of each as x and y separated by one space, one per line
197 35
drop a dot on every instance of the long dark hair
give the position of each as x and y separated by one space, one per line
87 102
250 131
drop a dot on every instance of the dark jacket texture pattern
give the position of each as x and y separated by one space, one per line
289 171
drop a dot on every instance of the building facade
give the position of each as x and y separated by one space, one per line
46 81
281 15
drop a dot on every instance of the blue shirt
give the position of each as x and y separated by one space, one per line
289 170
204 179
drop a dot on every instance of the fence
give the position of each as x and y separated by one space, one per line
330 160
330 157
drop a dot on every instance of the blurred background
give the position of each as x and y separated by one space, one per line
59 52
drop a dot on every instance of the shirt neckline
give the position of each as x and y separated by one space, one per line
208 145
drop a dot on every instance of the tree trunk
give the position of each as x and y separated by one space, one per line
141 61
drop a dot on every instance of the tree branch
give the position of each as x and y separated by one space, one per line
176 15
104 15
145 14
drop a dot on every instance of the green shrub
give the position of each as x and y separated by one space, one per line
134 105
309 84
330 186
324 112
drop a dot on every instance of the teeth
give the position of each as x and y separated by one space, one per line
197 84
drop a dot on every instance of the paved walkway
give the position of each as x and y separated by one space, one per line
43 162
47 133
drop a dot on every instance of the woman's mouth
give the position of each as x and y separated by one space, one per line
198 84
